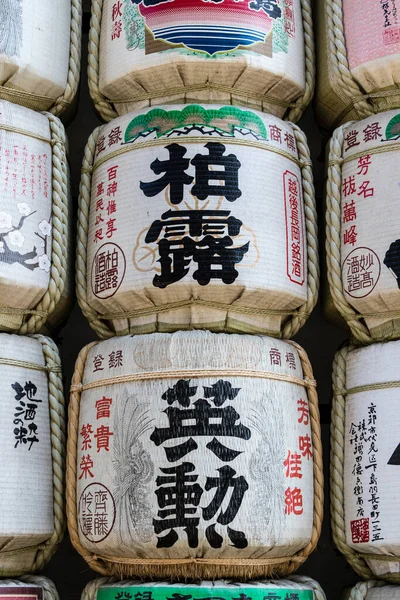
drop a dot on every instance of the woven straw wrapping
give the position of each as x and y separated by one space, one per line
264 281
32 505
292 583
364 378
40 53
358 60
34 230
130 69
362 244
374 590
29 581
266 380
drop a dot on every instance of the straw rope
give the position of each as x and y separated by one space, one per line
28 365
43 552
192 567
333 240
42 102
357 560
106 107
192 374
37 317
26 133
74 70
360 591
50 592
297 317
296 582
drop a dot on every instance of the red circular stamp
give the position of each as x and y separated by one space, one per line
108 270
361 270
96 512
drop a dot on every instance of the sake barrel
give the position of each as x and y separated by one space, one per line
194 455
358 59
40 52
298 588
28 588
362 226
197 217
254 53
33 218
32 449
374 590
365 458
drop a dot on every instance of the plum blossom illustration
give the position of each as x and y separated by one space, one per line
44 263
12 239
16 238
5 221
23 208
45 228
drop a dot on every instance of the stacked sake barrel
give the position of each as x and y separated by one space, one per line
32 448
35 266
40 48
374 590
193 237
205 452
255 54
304 588
362 269
358 59
365 459
28 588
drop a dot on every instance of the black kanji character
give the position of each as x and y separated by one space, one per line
20 434
178 497
215 256
229 175
202 420
175 175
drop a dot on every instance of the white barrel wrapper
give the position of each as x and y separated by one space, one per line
164 229
372 456
253 432
35 46
152 53
369 222
26 499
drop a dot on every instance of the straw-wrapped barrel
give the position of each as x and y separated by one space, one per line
358 59
254 53
365 459
362 226
194 454
40 53
197 217
32 449
301 588
29 587
375 590
33 219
